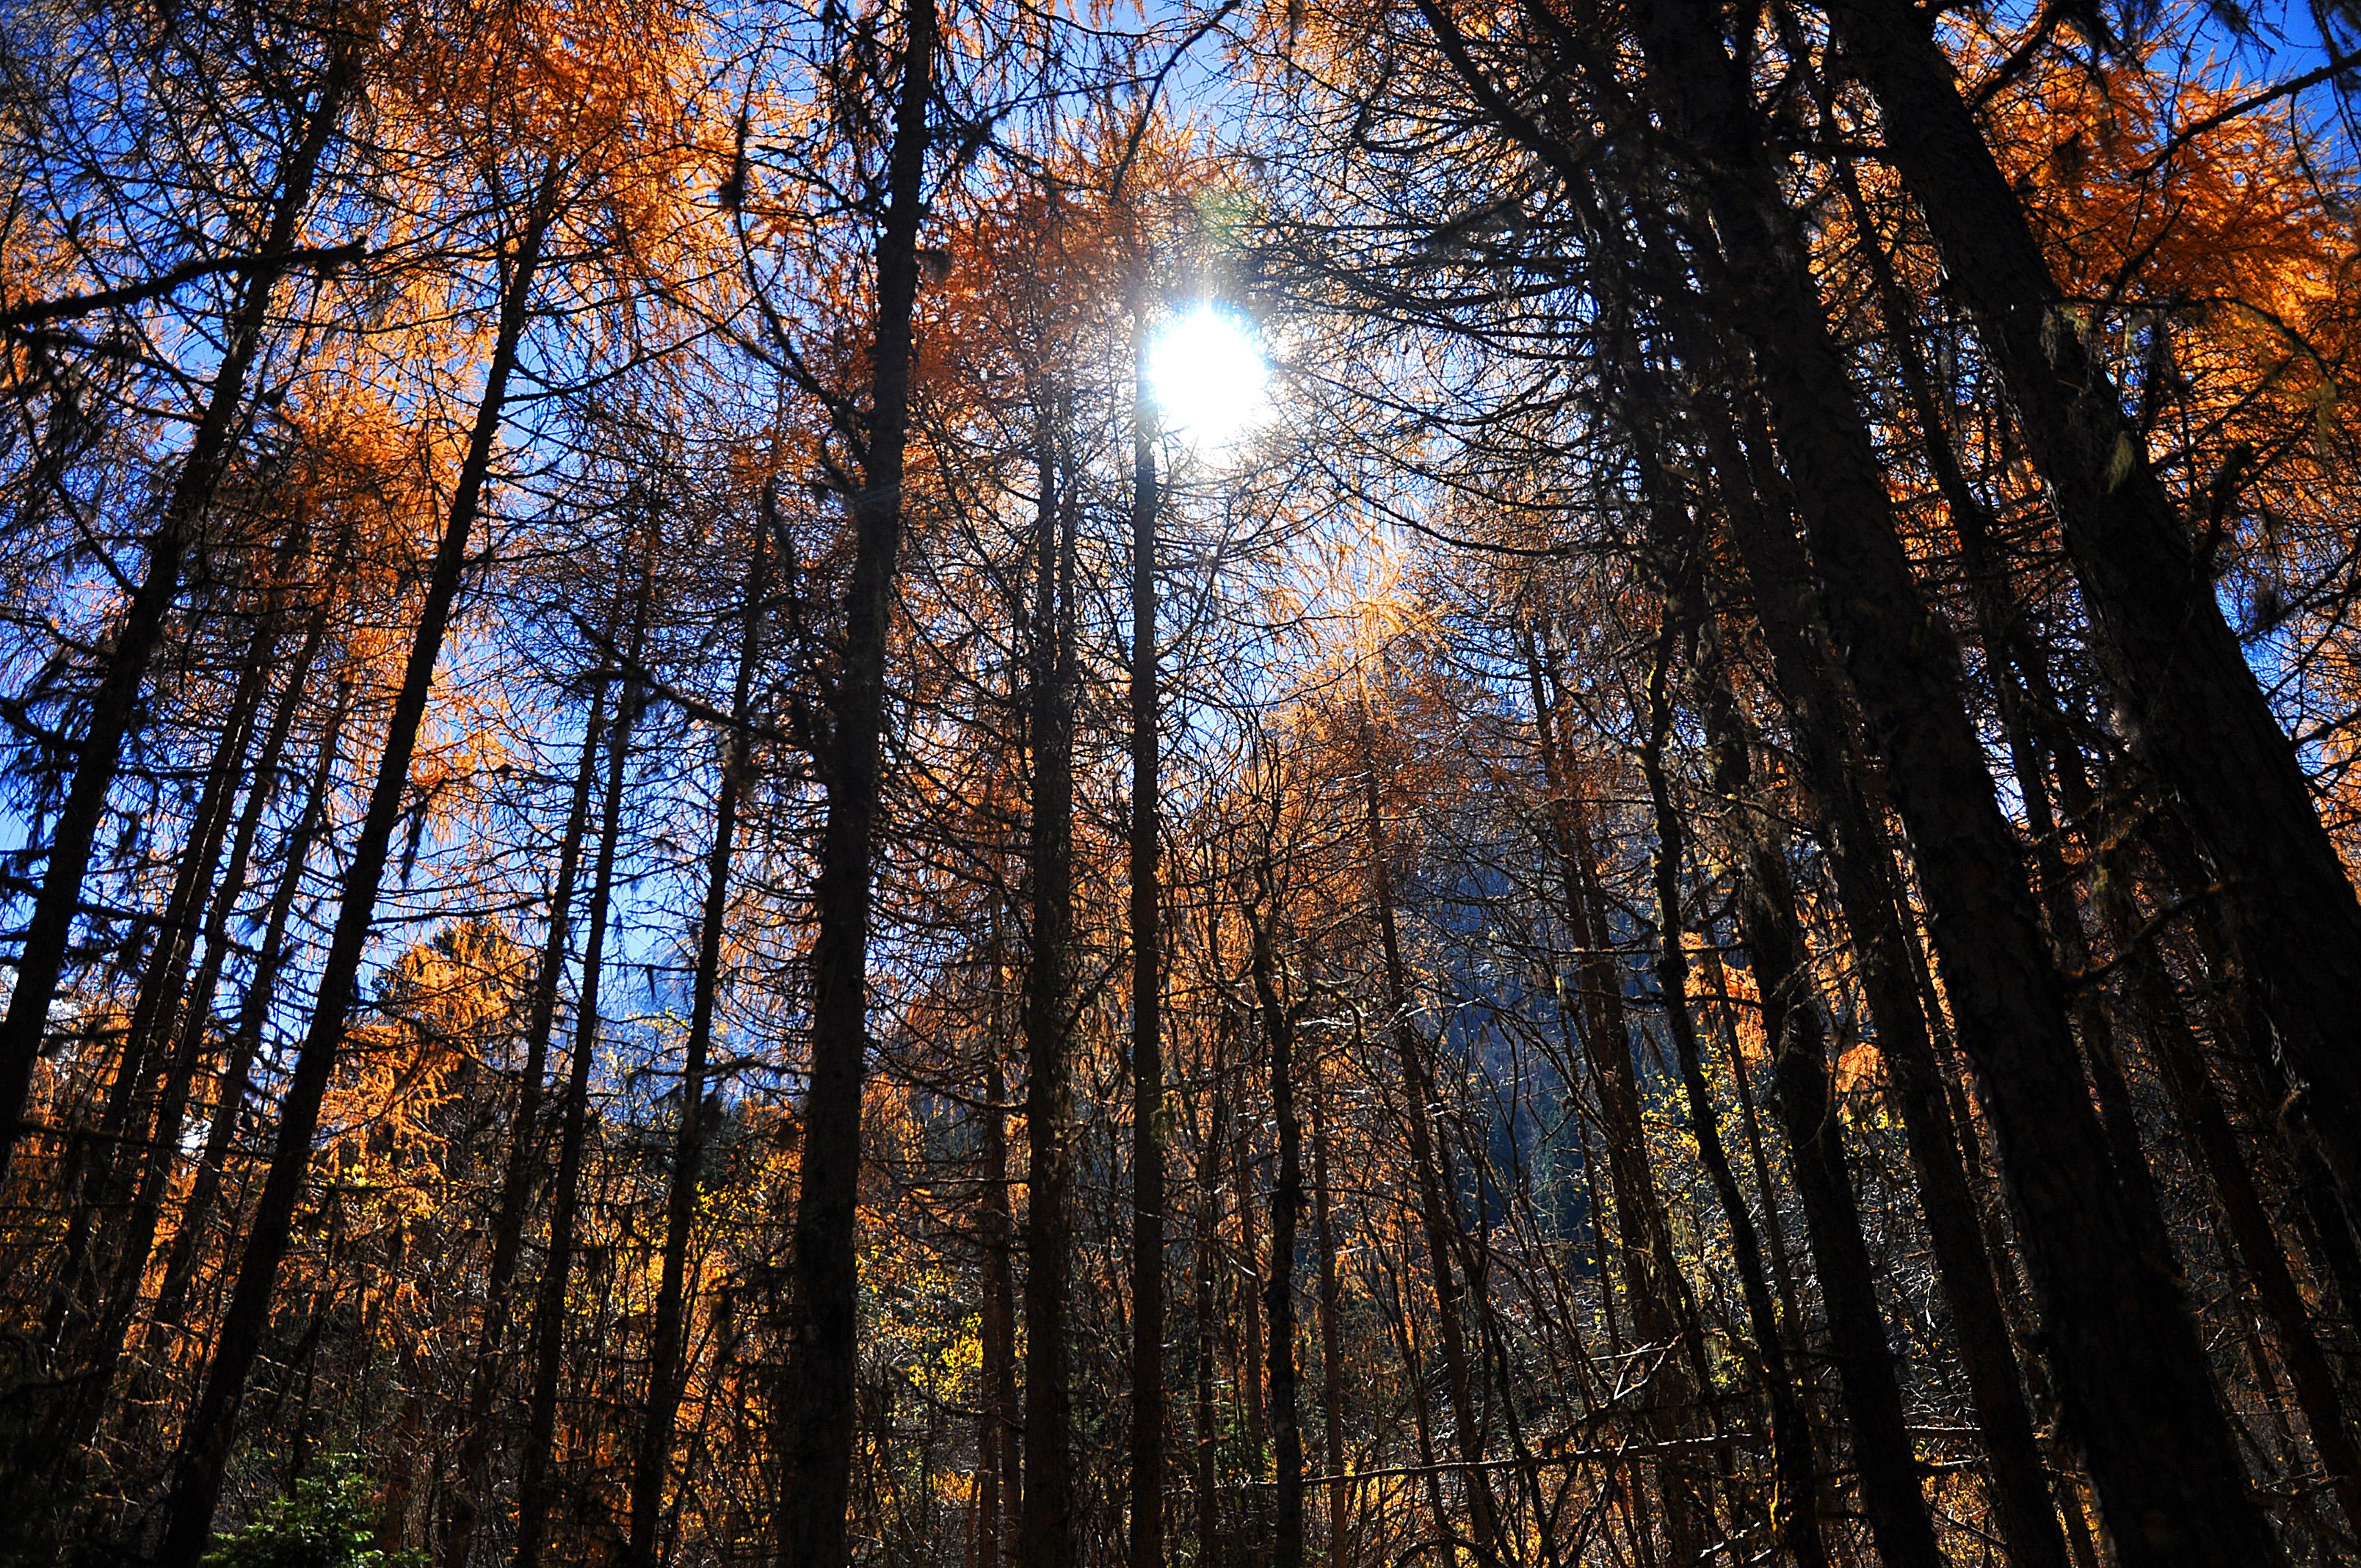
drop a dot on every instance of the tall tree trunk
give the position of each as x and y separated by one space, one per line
1147 1014
99 1166
1253 1363
1883 1456
163 985
206 1441
2239 1019
1001 1486
533 1485
2138 1389
1873 1397
114 705
667 1373
2201 721
1331 1343
1046 1533
1211 1150
1286 1201
2054 886
525 1151
817 1439
165 988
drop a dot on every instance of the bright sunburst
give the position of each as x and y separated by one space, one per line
1207 375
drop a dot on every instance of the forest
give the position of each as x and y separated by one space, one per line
1245 783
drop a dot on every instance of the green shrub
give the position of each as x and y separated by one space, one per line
329 1520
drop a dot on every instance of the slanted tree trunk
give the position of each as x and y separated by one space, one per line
2237 1018
100 1159
1872 1395
245 1039
97 1167
1772 581
2201 721
1651 1274
115 705
163 1142
2173 1043
165 988
2138 1387
206 1441
1795 1516
1791 1020
164 982
2013 665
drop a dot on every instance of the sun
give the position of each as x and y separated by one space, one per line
1207 375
